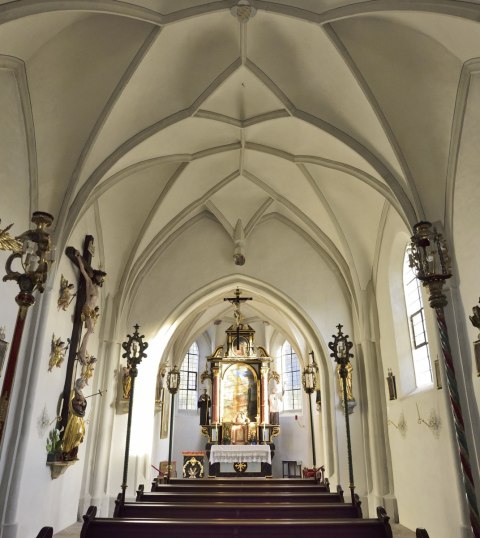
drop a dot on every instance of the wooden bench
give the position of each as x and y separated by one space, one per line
45 532
212 510
219 528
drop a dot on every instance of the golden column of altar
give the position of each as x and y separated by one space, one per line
264 414
215 394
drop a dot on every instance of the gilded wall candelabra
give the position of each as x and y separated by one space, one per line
35 257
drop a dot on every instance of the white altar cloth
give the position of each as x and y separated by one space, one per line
240 453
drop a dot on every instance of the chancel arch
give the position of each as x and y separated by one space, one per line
204 316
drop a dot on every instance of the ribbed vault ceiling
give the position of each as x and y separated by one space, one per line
325 113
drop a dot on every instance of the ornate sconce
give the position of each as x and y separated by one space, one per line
173 384
173 380
392 385
341 353
134 353
431 264
35 257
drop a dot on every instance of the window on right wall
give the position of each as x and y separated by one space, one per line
422 364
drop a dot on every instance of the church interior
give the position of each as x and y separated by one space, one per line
239 247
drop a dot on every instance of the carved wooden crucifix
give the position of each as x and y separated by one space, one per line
86 260
236 301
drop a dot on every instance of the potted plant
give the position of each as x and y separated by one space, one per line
54 451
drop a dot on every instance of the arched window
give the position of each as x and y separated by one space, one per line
416 323
187 392
291 379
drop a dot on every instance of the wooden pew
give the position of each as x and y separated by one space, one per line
219 528
45 532
213 510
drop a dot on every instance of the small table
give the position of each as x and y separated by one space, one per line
292 469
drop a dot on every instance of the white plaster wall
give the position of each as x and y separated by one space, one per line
424 461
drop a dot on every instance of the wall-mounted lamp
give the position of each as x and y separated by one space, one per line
392 385
438 375
134 348
309 383
173 384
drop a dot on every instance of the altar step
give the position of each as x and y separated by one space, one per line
240 497
226 510
260 480
193 487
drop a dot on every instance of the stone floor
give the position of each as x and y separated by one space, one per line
74 532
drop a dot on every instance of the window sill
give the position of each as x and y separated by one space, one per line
418 391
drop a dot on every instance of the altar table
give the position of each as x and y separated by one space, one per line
240 453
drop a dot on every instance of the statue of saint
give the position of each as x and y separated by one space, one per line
348 380
274 404
242 418
126 383
204 404
75 429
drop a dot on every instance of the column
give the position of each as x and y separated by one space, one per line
215 394
264 414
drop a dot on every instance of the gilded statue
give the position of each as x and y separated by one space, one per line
58 349
7 242
349 368
126 383
66 295
75 429
88 367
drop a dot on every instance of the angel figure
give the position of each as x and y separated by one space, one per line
66 294
57 352
88 367
7 242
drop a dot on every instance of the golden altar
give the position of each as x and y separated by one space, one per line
240 374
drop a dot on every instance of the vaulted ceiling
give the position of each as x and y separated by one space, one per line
326 114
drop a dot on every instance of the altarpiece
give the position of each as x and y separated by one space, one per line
240 436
